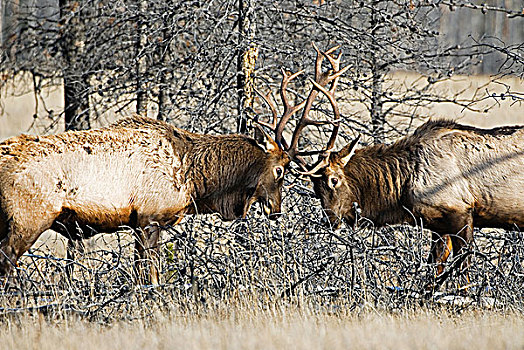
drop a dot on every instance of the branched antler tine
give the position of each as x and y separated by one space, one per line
335 76
302 123
272 106
334 61
335 64
327 52
321 78
318 63
334 48
336 113
289 110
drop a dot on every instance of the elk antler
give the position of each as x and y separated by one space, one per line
322 79
289 110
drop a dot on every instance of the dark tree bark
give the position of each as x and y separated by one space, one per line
141 63
76 82
246 61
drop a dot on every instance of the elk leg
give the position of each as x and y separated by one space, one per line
460 224
8 257
147 254
139 255
460 242
72 247
22 233
5 252
440 251
154 252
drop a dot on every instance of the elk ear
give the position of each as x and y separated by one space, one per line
269 144
347 152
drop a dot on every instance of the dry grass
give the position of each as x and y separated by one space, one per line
226 292
283 327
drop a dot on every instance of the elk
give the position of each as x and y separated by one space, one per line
139 172
452 176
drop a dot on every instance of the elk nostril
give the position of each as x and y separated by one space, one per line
274 216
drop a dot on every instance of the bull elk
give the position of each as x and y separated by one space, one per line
139 173
452 176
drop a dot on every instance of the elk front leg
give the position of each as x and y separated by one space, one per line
22 232
147 254
73 246
453 234
8 257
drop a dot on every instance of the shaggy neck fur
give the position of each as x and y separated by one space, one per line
230 167
378 176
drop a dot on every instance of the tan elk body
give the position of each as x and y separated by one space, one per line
452 176
135 173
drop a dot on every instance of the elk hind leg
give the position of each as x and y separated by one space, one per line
459 233
441 249
147 254
460 242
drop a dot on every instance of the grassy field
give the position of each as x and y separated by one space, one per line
281 328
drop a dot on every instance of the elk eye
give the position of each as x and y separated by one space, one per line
334 182
278 172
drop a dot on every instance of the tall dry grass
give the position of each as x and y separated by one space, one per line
251 284
282 327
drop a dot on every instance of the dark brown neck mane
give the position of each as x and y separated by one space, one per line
377 175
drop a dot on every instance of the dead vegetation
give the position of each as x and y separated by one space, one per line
210 265
260 284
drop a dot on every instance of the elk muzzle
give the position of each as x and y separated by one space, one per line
271 208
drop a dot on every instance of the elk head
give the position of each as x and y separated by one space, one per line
268 189
332 186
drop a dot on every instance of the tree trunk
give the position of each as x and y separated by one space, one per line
246 61
377 117
141 63
163 54
76 83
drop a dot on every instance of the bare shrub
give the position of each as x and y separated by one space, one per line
207 264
